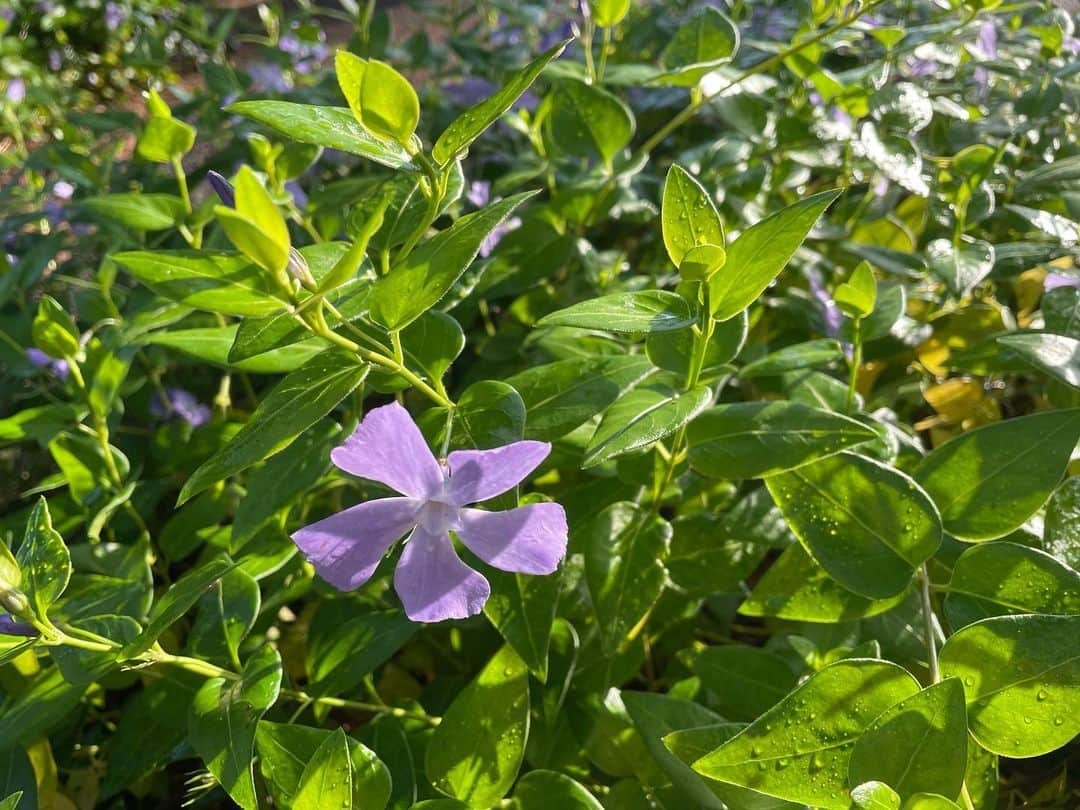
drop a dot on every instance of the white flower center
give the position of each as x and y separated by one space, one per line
438 515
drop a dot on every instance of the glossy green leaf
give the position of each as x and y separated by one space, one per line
566 394
745 681
490 714
875 796
1057 355
380 98
607 13
429 272
43 559
1061 311
797 588
344 647
227 612
46 702
223 720
761 252
522 608
211 344
996 579
165 139
455 139
53 329
988 481
83 667
642 416
805 742
177 601
332 127
17 780
1061 536
812 353
550 790
703 43
960 268
688 216
648 311
869 526
229 283
624 547
917 746
327 777
143 212
672 351
1021 677
587 121
858 294
287 759
756 439
296 403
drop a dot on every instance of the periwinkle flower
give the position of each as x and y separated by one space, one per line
478 193
9 626
58 368
1055 280
223 188
63 190
15 91
491 241
831 316
431 579
469 90
178 403
115 15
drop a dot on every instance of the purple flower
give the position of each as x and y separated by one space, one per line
10 627
63 190
298 194
491 241
987 40
431 579
179 403
468 91
266 76
223 188
553 38
56 60
830 312
115 15
478 193
58 368
16 91
1055 280
920 68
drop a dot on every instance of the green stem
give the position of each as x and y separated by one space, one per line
604 46
341 703
928 625
856 361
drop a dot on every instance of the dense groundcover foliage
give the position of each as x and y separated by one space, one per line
766 315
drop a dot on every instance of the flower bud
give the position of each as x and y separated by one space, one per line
14 600
223 188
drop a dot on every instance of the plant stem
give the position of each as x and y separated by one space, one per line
856 361
928 625
341 703
604 46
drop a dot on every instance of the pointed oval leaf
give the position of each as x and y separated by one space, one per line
688 217
645 312
43 559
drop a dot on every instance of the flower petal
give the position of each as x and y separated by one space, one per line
388 447
346 548
476 475
528 540
434 584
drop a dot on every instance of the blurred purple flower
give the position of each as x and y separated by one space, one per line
179 403
880 185
10 627
56 60
920 68
502 36
58 368
491 241
305 53
116 14
831 315
266 76
468 91
478 193
431 579
553 38
16 91
63 190
987 40
1055 280
298 194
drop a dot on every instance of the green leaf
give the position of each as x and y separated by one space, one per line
1061 535
40 423
53 330
756 439
745 681
455 140
343 648
642 416
332 127
809 354
688 216
229 283
141 212
1057 355
522 609
491 714
997 579
83 667
43 559
211 344
564 395
805 741
165 139
623 547
287 752
929 801
988 481
224 717
18 783
1021 677
869 526
761 252
607 13
46 702
382 99
489 414
703 43
857 295
645 312
875 796
429 272
550 790
1061 311
917 746
961 268
587 121
327 777
227 612
178 600
655 716
797 588
672 351
296 403
255 226
82 462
